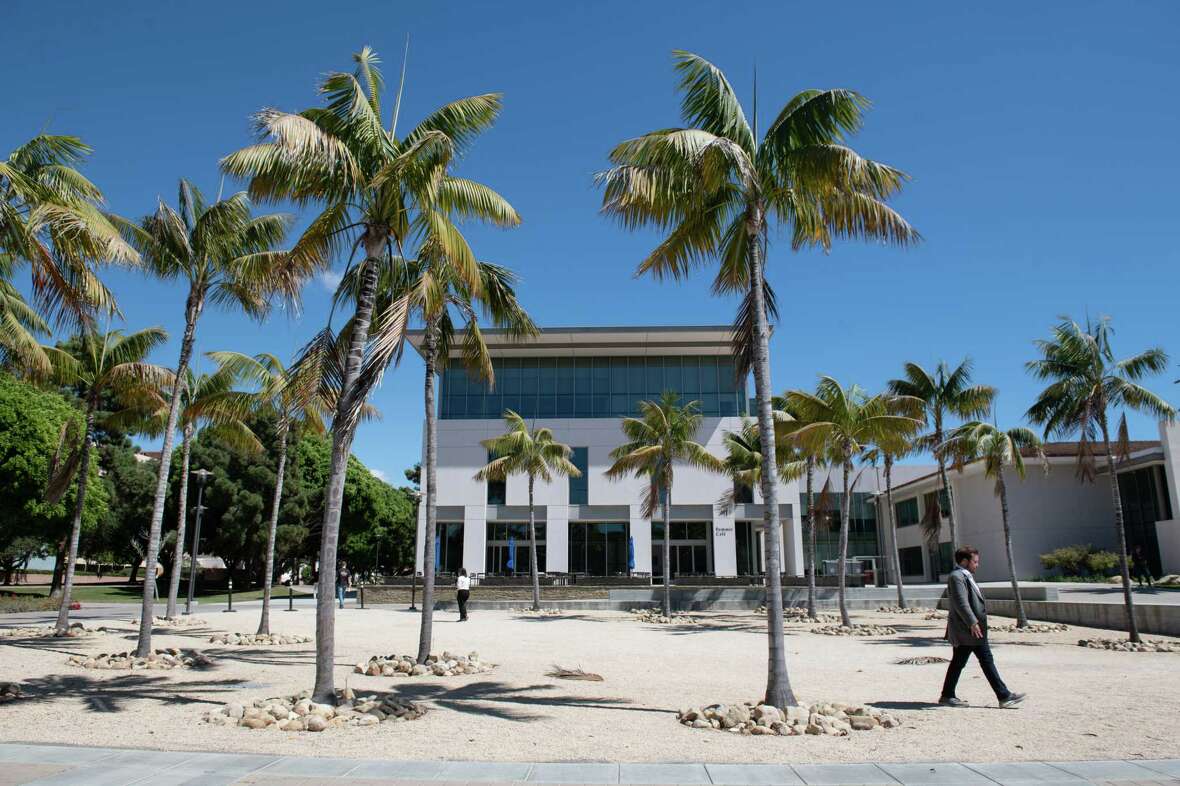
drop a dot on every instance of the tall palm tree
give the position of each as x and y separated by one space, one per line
888 450
197 394
1086 383
376 191
714 186
945 392
227 256
535 454
51 218
655 444
297 404
99 365
998 450
842 422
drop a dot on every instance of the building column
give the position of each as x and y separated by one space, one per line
793 541
724 545
475 538
641 535
420 544
557 539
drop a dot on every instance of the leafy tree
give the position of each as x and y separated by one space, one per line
1085 384
655 444
130 486
945 392
535 454
377 191
714 187
226 255
841 422
998 450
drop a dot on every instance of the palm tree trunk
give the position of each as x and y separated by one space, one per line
809 554
59 564
147 607
667 601
533 551
429 350
1121 535
182 517
778 682
1021 617
63 613
272 531
343 428
950 500
893 531
841 566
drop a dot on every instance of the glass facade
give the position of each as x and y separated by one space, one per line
749 549
448 551
591 387
905 513
497 489
1145 502
690 548
598 549
580 486
862 528
511 541
911 561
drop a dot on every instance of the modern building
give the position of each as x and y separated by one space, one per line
581 383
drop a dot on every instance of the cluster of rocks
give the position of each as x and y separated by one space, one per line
922 660
10 691
935 615
799 614
855 630
1032 627
905 610
1122 645
175 622
529 612
446 665
300 713
656 617
832 719
157 659
257 639
76 630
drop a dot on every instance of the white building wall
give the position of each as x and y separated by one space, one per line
1168 531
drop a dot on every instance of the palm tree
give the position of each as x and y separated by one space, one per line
888 450
714 187
298 405
658 441
943 393
98 365
227 256
51 218
841 422
785 423
377 192
535 454
197 394
20 327
1086 383
998 450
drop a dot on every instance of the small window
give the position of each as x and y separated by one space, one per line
906 513
580 486
911 561
743 494
497 489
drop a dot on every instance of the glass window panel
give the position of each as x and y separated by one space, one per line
618 376
726 383
700 560
508 378
546 406
710 405
620 406
579 486
456 406
546 376
636 377
602 406
728 405
563 407
655 377
563 373
583 376
690 378
708 375
672 379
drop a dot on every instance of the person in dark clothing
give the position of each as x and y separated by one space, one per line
966 628
342 578
1141 570
463 587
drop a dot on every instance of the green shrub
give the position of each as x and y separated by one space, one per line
1102 562
1080 561
14 603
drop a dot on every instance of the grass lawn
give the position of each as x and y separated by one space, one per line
133 593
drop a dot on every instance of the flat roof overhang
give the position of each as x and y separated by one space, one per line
604 341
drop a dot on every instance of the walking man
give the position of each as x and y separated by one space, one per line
966 628
342 579
1140 568
463 592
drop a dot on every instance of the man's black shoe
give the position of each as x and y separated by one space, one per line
952 701
1012 700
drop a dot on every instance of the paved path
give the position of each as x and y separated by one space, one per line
54 764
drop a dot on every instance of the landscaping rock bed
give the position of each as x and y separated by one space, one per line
158 659
175 622
1032 627
1122 645
77 630
257 639
831 719
446 665
855 630
923 660
935 615
799 614
300 713
906 610
654 617
527 612
10 691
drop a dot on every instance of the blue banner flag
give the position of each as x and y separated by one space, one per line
511 554
630 553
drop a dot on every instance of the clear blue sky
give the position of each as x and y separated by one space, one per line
1041 138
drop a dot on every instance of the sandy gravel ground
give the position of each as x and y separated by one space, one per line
1083 704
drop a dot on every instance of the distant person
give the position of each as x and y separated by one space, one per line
463 587
1142 570
342 578
966 628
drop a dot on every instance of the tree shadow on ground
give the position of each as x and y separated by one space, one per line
563 617
111 695
508 702
908 641
904 705
265 656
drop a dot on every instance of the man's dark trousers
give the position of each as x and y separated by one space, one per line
959 659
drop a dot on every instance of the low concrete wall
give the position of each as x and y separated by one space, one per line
1156 618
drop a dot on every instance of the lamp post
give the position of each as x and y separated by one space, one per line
202 476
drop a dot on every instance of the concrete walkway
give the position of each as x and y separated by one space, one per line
52 764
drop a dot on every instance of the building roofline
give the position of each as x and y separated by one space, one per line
603 339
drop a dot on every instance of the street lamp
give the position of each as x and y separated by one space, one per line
202 476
